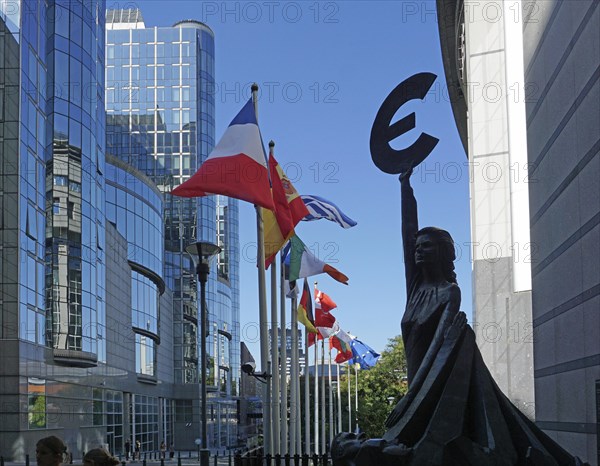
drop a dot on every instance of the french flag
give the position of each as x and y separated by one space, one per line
237 166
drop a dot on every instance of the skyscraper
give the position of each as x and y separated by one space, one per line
98 305
160 119
52 288
287 353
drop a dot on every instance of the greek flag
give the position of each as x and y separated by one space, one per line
322 208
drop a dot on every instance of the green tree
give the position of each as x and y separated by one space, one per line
379 389
37 411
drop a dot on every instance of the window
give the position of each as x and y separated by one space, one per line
75 186
36 403
145 417
31 225
56 205
114 417
144 355
98 407
223 257
183 411
60 180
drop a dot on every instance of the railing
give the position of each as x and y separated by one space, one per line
253 457
256 458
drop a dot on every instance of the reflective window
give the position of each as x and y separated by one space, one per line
144 303
136 210
74 265
145 355
167 145
97 407
36 403
114 419
145 418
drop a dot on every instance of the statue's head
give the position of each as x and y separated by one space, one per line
434 247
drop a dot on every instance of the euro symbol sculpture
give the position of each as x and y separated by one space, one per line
386 158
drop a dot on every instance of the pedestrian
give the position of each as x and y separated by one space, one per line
99 457
50 451
127 449
138 447
171 450
163 449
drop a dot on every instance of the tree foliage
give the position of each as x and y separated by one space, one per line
379 389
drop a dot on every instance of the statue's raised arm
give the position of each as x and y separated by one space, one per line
410 226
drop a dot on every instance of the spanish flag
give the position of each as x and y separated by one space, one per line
289 210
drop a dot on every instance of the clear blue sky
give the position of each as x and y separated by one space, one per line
324 69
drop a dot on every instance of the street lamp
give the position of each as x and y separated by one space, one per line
249 366
202 253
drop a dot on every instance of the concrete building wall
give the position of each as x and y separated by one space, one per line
120 352
501 288
165 369
562 58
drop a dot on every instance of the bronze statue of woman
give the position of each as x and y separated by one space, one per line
453 412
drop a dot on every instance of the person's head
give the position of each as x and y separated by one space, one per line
50 451
434 247
99 457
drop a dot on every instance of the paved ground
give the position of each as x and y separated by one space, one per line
185 461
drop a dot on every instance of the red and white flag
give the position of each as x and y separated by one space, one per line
237 166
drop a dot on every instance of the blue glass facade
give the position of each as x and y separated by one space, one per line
74 169
56 158
134 206
53 330
160 120
24 153
98 305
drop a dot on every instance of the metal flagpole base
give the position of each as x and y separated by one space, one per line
204 457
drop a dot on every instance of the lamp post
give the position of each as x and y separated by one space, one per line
202 253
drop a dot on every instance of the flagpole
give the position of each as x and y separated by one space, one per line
348 375
275 358
339 399
331 423
275 393
316 397
298 422
306 397
323 404
356 396
294 375
262 304
283 372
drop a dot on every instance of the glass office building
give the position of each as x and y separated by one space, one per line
98 306
160 120
52 228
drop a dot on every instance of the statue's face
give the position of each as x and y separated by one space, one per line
427 250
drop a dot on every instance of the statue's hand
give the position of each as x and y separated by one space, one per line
457 326
395 415
405 176
397 450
